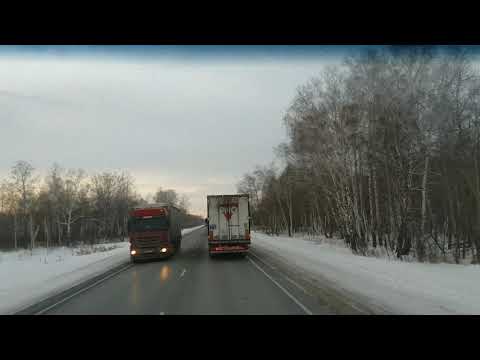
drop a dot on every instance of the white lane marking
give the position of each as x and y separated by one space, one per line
183 272
285 276
302 288
303 307
356 308
83 290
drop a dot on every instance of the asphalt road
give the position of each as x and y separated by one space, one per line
193 283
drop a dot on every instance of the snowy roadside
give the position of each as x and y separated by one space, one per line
404 288
27 278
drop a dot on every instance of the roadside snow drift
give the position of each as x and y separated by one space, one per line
395 286
27 278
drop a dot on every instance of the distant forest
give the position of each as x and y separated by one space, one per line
69 207
384 153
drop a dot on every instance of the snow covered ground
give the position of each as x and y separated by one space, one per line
397 287
27 278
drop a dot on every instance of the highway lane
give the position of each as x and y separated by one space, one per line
192 283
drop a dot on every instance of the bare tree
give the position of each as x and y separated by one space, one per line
384 152
23 183
168 196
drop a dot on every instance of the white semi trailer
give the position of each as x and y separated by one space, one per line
228 224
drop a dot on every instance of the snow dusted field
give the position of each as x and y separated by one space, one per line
27 278
398 287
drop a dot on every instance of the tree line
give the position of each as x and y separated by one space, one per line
383 151
69 206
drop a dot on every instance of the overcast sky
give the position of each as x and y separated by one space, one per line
192 119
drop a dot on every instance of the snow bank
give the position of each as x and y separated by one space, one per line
399 287
27 278
189 230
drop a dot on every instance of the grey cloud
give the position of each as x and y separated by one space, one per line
182 125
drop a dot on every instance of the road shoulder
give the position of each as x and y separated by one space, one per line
317 293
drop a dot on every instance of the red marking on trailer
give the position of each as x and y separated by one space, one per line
228 215
145 213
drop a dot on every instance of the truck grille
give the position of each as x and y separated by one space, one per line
148 243
156 239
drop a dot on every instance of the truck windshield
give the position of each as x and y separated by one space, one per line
152 224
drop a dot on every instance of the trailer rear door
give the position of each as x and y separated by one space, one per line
228 217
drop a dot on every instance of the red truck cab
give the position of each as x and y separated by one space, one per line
154 232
